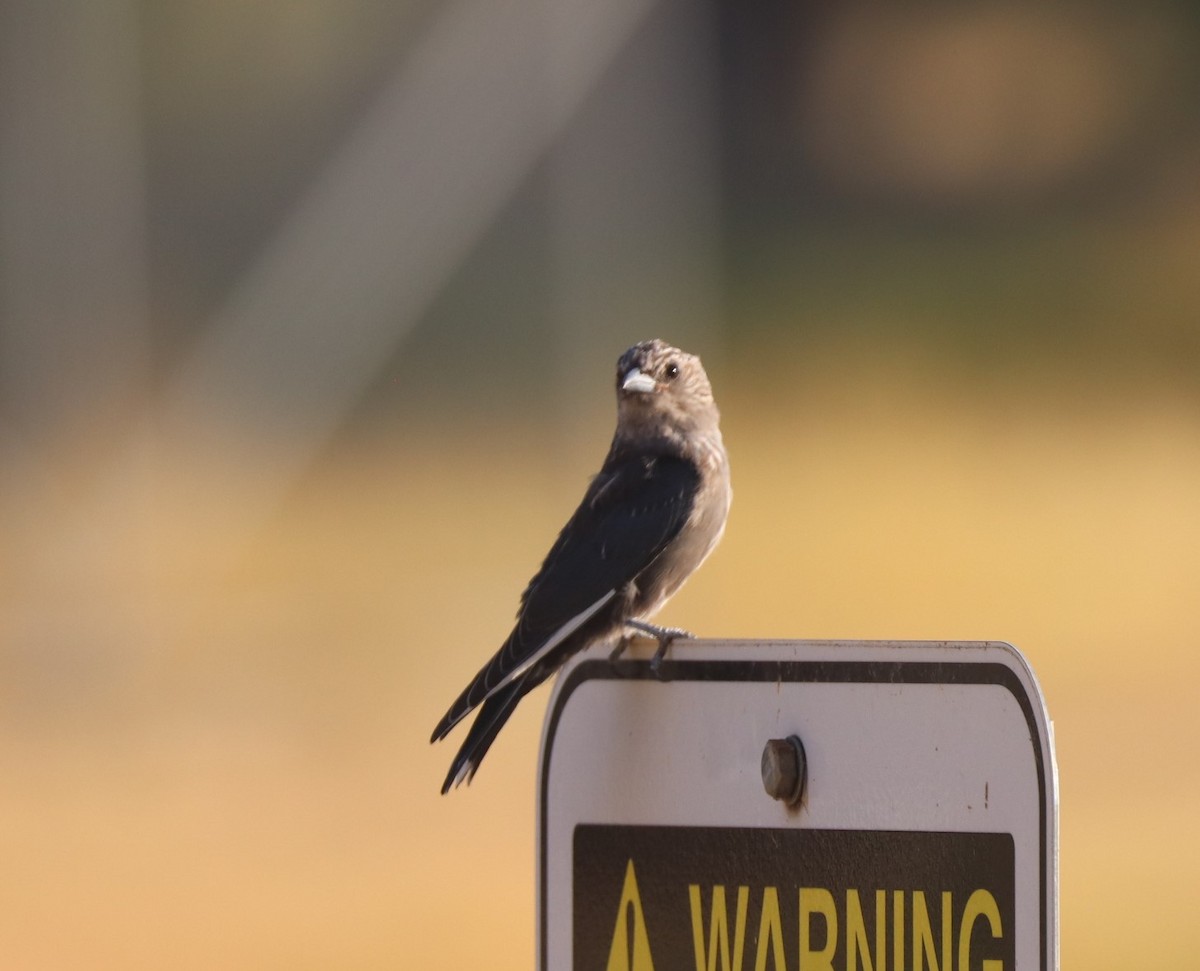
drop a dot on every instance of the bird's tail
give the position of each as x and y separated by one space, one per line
489 677
491 718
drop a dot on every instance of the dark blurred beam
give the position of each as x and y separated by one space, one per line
634 206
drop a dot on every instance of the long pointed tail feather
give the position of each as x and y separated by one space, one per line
491 718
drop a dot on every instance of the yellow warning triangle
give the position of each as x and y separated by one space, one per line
626 954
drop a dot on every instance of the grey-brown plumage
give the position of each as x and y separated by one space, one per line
648 519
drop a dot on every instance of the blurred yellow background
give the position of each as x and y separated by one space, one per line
308 316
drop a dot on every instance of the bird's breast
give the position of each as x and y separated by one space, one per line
683 555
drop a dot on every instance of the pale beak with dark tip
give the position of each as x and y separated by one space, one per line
637 380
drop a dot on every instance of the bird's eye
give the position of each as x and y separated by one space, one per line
671 371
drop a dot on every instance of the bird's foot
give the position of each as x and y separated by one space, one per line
665 637
617 651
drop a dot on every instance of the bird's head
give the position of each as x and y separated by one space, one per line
658 384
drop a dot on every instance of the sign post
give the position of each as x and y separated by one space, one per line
801 805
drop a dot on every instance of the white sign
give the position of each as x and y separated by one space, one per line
924 837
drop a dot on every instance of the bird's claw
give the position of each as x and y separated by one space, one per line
665 636
664 643
617 651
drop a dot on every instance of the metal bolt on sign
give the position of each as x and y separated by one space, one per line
784 768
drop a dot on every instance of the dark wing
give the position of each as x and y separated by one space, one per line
633 508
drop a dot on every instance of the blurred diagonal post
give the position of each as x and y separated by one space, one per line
447 143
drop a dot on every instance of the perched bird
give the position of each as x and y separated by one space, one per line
648 519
